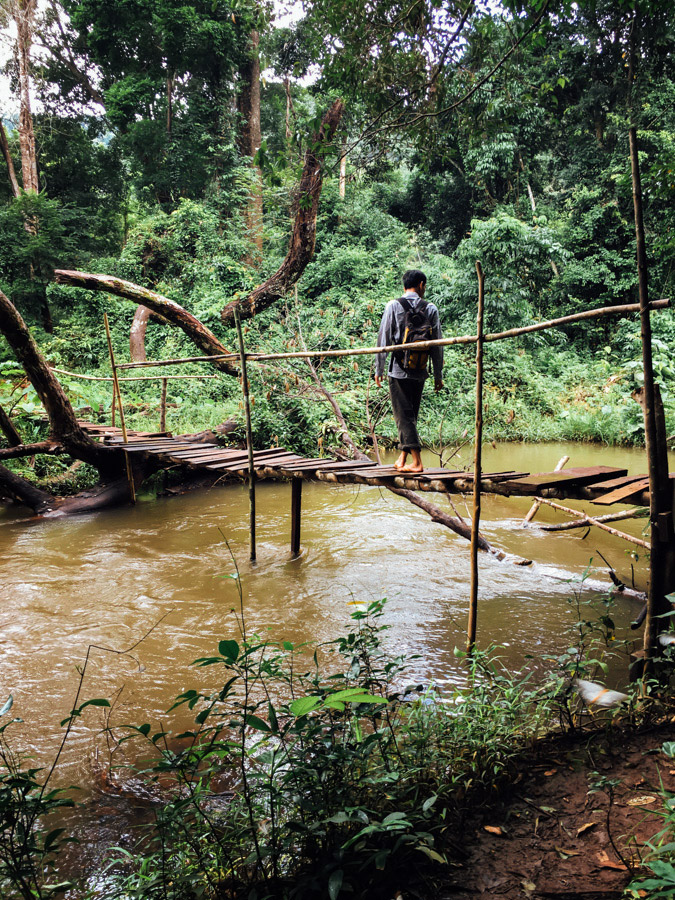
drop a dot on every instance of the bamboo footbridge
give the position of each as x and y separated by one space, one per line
602 485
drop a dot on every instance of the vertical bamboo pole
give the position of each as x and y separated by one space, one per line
114 403
116 390
296 514
162 406
661 559
477 465
249 433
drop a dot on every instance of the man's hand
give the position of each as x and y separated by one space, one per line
438 386
378 381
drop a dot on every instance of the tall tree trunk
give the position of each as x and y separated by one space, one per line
23 12
303 236
250 138
4 146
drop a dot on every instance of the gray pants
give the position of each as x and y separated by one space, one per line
406 396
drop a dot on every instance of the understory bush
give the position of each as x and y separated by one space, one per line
341 779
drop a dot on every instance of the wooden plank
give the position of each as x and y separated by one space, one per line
207 454
201 461
260 461
604 486
623 493
347 464
307 464
155 448
580 476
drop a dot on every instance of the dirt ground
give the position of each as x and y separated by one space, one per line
553 839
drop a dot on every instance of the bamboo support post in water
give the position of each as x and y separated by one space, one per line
534 509
477 466
249 433
662 556
162 406
116 391
296 512
592 521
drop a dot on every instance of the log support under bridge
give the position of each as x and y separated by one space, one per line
296 514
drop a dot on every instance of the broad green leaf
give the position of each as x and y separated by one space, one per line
303 705
229 649
393 817
335 884
98 701
668 748
255 722
8 705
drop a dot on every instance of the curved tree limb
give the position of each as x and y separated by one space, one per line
64 425
170 310
303 237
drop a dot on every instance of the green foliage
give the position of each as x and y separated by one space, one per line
344 780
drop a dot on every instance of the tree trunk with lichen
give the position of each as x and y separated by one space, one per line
250 139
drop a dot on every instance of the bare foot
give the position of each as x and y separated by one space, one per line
400 462
412 468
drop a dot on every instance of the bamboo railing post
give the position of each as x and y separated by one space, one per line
662 555
249 433
477 465
116 391
162 406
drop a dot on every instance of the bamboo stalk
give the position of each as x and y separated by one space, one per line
638 513
116 390
477 465
661 560
534 509
591 521
162 406
417 345
128 378
249 433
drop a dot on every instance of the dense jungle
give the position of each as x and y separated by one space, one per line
175 167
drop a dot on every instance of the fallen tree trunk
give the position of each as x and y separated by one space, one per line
22 491
63 422
170 310
303 237
48 447
8 429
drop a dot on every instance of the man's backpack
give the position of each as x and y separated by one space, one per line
416 327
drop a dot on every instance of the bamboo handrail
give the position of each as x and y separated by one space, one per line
129 378
418 345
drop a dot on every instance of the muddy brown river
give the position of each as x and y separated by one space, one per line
106 578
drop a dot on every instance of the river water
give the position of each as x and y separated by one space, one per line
107 578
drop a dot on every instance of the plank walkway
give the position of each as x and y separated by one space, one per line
603 485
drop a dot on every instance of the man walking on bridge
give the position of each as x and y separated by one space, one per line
405 320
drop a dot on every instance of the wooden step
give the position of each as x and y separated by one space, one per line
565 478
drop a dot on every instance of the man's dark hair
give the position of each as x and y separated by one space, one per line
412 278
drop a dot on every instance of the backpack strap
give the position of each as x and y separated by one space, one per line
405 303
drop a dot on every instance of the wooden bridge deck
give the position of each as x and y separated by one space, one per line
603 485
